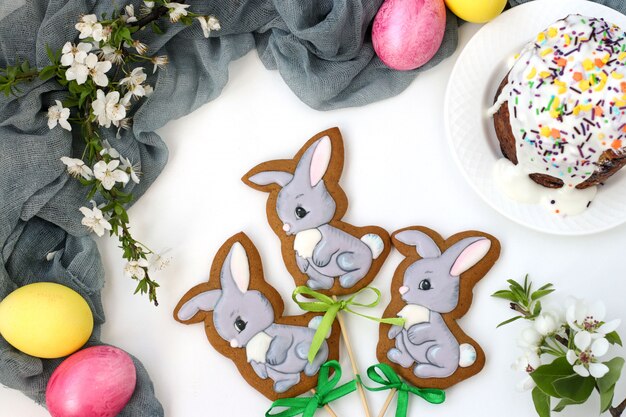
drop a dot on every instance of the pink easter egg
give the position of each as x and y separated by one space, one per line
94 382
407 33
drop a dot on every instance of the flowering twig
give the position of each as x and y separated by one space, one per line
97 100
562 353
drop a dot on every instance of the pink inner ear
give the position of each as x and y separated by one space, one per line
470 257
320 160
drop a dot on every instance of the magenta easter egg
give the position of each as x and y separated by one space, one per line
407 33
94 382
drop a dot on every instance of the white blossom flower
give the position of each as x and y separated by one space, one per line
129 17
97 70
59 114
108 109
140 47
50 255
124 124
94 220
86 25
590 317
530 339
528 362
108 173
159 62
134 82
78 71
585 357
177 10
148 90
131 169
208 24
146 8
136 269
108 53
547 323
109 150
77 168
74 53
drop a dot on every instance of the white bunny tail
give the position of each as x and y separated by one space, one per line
468 355
375 243
315 323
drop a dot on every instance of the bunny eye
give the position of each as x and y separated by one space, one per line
240 325
425 285
301 212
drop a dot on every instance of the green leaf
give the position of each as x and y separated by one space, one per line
156 29
50 54
512 319
614 339
574 387
25 67
47 72
606 384
564 403
537 308
606 399
546 375
540 294
542 402
505 294
83 97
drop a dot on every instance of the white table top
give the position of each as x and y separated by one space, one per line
398 172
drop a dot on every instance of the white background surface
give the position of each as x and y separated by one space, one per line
398 172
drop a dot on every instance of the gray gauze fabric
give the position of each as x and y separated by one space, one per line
320 48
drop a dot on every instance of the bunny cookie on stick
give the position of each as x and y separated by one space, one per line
242 315
431 289
305 208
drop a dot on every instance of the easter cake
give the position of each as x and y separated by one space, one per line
559 112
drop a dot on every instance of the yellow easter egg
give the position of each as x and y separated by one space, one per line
476 11
45 320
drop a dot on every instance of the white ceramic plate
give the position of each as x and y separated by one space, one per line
478 71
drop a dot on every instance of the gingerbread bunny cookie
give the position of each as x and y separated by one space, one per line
431 289
305 208
242 318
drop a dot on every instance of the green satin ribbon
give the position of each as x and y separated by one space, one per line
388 379
324 394
331 307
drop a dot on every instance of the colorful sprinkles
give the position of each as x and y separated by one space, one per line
567 98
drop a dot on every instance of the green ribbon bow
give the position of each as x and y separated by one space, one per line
388 379
331 307
324 394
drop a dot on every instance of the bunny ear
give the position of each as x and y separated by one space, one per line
271 177
239 267
320 160
205 301
424 245
470 256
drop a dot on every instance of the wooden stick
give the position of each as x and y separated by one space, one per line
392 393
327 407
355 370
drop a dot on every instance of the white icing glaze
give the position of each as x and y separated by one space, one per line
414 314
467 355
566 95
515 183
240 267
305 242
257 347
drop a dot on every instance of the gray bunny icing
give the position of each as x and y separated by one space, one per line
245 318
430 289
305 207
